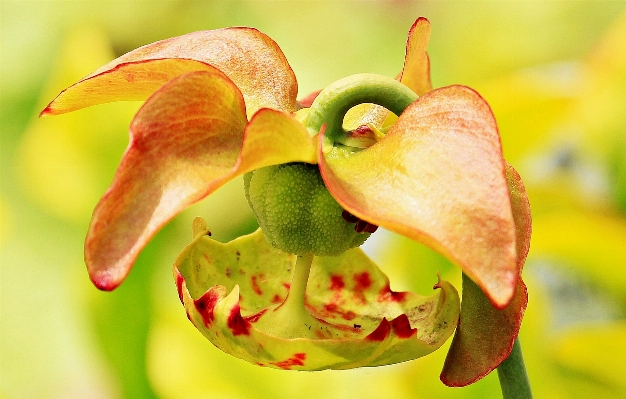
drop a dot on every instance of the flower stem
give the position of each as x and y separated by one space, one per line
291 319
512 374
331 105
295 298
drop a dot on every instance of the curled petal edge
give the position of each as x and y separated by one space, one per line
485 335
233 293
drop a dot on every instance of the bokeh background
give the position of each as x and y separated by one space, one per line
553 71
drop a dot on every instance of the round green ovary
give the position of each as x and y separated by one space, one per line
297 213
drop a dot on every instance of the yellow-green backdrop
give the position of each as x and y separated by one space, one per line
553 71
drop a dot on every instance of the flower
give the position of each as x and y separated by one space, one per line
221 104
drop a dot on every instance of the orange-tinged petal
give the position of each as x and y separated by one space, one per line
438 177
186 141
253 61
485 335
416 71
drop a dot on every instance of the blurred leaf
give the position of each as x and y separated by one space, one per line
578 352
123 320
593 244
63 163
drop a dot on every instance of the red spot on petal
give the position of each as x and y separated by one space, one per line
336 282
255 317
255 285
277 299
381 332
362 130
236 323
402 327
363 281
179 286
387 295
333 308
206 304
296 360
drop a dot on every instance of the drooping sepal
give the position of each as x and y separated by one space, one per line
188 139
234 292
485 335
438 177
252 60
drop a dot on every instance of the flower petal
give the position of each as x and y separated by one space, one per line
252 60
416 71
438 177
520 207
186 141
233 294
485 335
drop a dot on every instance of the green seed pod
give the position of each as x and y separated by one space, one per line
297 213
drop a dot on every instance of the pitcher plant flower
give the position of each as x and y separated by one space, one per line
320 174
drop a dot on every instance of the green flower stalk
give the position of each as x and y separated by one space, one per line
321 174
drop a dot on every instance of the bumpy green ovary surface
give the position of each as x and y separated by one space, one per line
297 213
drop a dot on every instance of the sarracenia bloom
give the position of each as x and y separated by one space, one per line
426 163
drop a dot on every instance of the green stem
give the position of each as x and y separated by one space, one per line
295 298
291 319
512 374
331 105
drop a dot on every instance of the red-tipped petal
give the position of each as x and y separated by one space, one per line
438 177
253 61
187 141
485 335
416 71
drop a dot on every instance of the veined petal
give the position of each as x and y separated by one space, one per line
438 177
186 142
234 294
415 74
416 71
485 335
252 60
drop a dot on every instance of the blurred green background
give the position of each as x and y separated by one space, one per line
553 71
